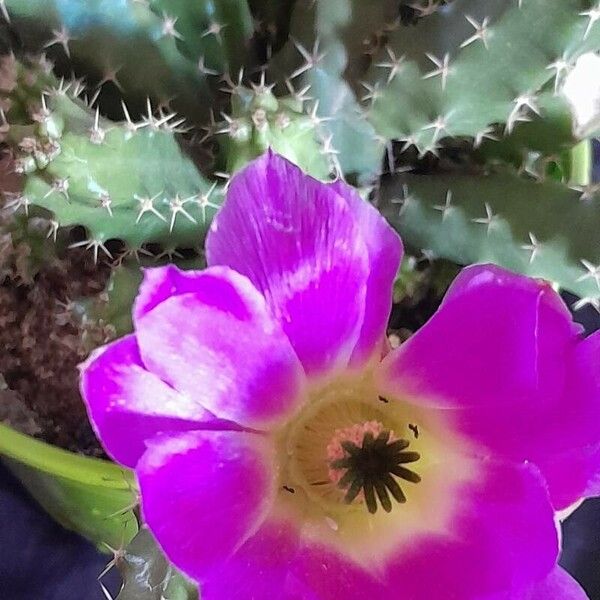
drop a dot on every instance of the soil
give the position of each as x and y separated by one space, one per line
42 343
42 339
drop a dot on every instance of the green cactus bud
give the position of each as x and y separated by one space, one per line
260 121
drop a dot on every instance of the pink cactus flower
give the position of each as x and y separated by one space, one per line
283 453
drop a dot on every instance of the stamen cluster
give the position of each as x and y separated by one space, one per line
372 468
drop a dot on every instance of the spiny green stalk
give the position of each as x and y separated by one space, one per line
260 121
98 36
477 63
325 54
539 228
127 181
147 575
436 76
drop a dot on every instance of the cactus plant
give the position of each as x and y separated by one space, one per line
429 82
179 45
125 118
327 39
260 121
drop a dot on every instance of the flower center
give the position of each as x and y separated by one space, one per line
362 473
349 452
367 459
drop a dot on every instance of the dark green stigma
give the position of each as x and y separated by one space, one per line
373 468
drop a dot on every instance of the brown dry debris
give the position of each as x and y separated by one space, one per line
15 412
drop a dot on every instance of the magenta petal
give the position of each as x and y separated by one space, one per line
259 569
502 537
299 243
279 564
224 351
571 475
507 365
562 438
498 338
559 585
127 404
204 493
559 432
327 575
568 445
592 488
385 250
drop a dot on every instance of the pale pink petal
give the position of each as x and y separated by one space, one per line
300 244
224 351
385 251
214 286
127 404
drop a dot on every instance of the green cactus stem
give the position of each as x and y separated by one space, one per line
147 575
539 228
325 55
127 181
97 37
91 496
477 63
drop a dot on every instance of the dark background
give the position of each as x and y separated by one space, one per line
39 560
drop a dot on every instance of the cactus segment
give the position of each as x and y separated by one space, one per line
476 63
325 54
214 31
171 51
127 181
99 36
147 575
113 308
260 121
542 229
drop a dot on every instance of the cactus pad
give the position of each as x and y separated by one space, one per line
542 229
